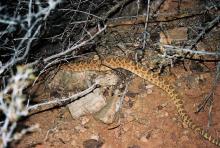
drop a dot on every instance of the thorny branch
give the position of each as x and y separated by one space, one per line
18 31
12 105
31 23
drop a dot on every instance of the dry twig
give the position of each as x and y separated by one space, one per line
169 49
12 105
59 102
205 30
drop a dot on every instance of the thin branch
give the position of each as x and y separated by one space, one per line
180 51
116 8
59 102
157 4
89 14
31 24
208 100
74 47
210 25
146 25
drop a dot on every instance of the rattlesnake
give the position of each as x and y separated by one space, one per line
109 63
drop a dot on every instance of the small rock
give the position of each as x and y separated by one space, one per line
185 132
134 146
84 120
149 91
179 84
95 137
80 128
126 128
126 99
92 143
174 119
166 114
74 143
149 86
108 113
145 137
91 103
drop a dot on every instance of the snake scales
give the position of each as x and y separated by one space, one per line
136 68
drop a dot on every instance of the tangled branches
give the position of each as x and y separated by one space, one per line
12 104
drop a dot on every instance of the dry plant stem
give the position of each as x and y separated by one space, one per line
83 43
59 102
140 19
145 33
23 132
208 28
159 3
121 100
146 24
210 117
116 8
48 132
208 100
84 12
180 51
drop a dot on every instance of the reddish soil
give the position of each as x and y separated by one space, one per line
148 119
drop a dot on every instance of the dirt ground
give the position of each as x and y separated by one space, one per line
148 118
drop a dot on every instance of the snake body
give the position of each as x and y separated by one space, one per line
120 62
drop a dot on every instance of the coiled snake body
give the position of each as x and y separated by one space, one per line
120 62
